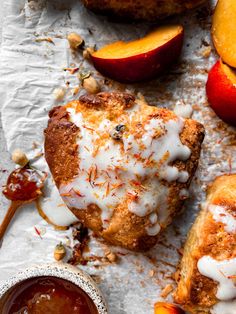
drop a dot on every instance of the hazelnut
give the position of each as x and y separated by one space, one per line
59 93
19 157
88 52
91 85
59 252
167 308
75 41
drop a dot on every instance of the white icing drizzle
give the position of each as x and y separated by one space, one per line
183 110
118 168
220 214
224 308
222 272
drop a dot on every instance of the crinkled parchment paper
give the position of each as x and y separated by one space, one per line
30 69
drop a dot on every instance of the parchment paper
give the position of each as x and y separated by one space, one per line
31 70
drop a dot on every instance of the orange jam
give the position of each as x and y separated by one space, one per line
46 295
23 184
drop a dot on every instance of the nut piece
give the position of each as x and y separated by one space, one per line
91 85
112 257
167 308
87 52
59 93
75 41
19 157
59 252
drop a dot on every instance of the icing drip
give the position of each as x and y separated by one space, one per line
129 169
220 214
222 272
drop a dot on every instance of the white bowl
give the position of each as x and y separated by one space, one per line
64 271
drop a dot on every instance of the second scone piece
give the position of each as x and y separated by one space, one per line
122 166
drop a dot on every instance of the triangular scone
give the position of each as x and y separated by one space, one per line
207 281
122 166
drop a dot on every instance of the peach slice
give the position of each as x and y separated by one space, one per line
221 91
141 59
224 31
167 308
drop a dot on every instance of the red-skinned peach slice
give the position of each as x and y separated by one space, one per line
142 59
224 30
221 91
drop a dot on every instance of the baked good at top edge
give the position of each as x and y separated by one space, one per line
141 10
210 239
139 182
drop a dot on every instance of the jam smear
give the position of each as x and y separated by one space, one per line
23 186
47 295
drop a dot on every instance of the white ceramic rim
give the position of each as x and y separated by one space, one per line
64 271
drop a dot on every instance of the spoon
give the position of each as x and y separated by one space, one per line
23 186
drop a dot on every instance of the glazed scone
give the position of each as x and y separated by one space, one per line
122 166
208 268
141 10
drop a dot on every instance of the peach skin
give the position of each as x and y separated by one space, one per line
141 59
221 92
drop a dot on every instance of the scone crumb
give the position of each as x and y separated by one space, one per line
151 273
59 93
167 290
111 256
206 52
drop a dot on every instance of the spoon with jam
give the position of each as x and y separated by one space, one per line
24 185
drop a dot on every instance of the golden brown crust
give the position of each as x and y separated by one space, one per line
196 292
125 228
60 145
141 10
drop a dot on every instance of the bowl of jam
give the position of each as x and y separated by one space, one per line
52 289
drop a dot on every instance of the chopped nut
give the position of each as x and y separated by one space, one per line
167 308
59 93
75 41
87 52
91 85
59 252
112 257
19 157
167 290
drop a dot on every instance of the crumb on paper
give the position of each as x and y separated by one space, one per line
167 290
176 275
76 90
47 39
111 256
59 93
206 52
151 273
